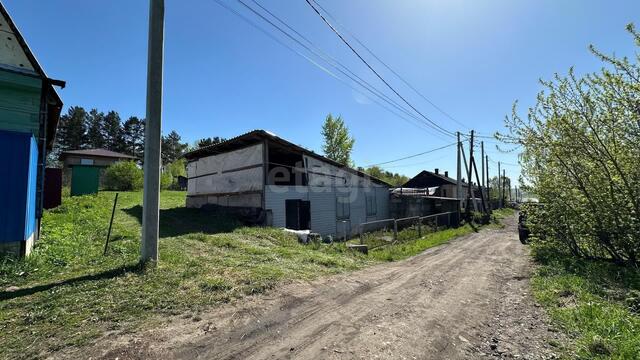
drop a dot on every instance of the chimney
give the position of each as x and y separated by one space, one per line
437 171
446 174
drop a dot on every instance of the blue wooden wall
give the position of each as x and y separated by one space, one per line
18 185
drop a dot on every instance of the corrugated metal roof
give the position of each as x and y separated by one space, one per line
256 136
96 152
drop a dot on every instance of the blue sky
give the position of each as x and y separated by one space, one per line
224 77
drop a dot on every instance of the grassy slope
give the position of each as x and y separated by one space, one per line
598 303
68 293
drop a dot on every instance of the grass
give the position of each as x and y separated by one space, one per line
67 293
596 302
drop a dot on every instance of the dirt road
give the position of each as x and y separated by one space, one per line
467 299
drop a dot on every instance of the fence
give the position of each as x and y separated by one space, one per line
404 228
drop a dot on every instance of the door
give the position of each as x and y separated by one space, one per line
84 180
298 214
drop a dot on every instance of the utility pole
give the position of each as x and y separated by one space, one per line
486 161
472 194
499 187
482 160
152 134
459 176
504 186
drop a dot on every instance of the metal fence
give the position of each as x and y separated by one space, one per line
420 224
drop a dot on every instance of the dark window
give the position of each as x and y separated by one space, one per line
372 208
343 207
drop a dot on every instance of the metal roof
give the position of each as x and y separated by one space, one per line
96 152
257 136
427 179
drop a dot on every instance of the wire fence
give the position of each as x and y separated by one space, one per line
384 232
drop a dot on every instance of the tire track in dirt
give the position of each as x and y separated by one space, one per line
465 299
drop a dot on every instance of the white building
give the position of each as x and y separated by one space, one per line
291 186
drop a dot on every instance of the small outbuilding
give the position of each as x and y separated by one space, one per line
284 185
29 113
84 168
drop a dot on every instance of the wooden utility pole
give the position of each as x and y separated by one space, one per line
482 160
152 134
459 178
499 187
504 186
486 161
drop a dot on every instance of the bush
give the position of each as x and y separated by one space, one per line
123 176
166 180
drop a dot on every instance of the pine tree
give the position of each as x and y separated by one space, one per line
112 132
95 126
133 137
71 133
204 142
172 147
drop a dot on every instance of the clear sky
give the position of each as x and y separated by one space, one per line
223 77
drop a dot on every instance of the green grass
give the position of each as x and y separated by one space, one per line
67 293
596 302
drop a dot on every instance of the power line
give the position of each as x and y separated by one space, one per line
414 155
331 61
313 62
440 128
389 68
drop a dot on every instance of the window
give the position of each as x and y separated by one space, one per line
372 208
343 207
86 161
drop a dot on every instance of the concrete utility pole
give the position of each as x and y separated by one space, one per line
470 193
152 134
482 160
459 178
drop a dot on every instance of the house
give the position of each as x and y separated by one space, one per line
442 184
29 113
85 168
287 185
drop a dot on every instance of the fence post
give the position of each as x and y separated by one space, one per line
395 229
419 227
436 223
360 232
448 219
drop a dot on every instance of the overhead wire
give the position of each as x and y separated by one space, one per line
434 124
315 63
389 67
414 155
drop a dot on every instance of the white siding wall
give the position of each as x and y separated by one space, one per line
323 206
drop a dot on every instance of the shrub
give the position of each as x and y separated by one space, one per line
123 176
166 179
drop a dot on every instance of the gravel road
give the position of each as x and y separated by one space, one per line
466 299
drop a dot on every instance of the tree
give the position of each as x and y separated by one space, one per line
112 130
204 142
133 137
172 147
71 129
580 156
338 144
95 128
394 179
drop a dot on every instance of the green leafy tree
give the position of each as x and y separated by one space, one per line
580 156
172 147
95 130
112 132
338 144
133 137
394 179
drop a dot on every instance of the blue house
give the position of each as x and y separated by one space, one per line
29 113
